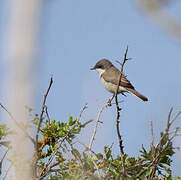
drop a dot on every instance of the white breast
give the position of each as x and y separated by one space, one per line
100 71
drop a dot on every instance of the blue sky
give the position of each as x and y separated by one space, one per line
74 35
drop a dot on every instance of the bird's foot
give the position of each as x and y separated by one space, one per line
109 102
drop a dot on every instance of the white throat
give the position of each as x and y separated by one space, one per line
100 71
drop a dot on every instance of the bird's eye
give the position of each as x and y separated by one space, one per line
99 66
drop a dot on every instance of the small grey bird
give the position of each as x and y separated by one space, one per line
110 75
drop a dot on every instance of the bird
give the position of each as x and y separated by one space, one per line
109 76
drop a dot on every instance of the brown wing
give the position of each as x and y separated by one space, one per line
110 74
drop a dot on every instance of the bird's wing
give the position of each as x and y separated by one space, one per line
110 74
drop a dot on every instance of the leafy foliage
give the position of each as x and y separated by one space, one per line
59 155
3 131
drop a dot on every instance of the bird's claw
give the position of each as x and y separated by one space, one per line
109 103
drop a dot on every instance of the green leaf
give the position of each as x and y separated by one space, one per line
177 178
107 151
3 131
71 121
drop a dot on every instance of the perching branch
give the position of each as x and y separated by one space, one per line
117 104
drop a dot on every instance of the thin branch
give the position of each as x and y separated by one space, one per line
42 111
117 104
17 123
152 133
174 118
47 114
96 126
86 147
10 166
4 155
86 123
1 162
82 110
5 109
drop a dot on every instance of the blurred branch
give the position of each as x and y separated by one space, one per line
156 9
19 45
18 124
1 162
5 176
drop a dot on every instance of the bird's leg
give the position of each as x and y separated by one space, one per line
110 100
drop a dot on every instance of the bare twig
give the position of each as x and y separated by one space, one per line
3 107
152 133
4 178
1 161
42 111
47 114
117 104
87 122
82 110
96 126
17 123
86 147
109 103
175 117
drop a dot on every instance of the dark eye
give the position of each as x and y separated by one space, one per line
99 66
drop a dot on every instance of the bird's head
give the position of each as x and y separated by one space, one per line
102 65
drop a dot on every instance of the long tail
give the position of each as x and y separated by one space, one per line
136 93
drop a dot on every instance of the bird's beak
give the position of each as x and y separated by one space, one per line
92 68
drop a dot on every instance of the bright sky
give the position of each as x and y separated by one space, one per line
74 35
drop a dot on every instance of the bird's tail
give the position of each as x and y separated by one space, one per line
136 93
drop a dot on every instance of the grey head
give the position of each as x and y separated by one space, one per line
102 64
